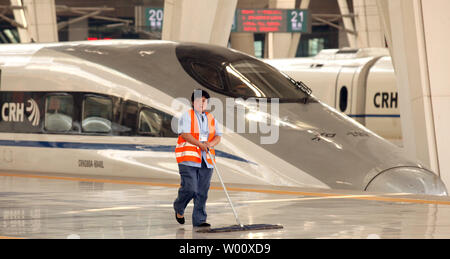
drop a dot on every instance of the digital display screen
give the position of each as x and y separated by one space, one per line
271 20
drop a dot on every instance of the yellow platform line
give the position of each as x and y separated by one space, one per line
266 191
95 180
5 237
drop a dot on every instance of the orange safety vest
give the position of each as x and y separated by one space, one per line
185 151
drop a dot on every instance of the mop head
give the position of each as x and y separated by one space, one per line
239 228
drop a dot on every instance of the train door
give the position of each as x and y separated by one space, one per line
344 91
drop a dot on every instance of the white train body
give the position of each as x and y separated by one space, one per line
360 83
36 69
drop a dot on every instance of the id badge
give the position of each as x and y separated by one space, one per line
203 137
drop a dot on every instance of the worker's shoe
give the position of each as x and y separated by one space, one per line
179 220
204 224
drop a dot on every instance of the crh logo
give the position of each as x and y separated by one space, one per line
33 110
14 112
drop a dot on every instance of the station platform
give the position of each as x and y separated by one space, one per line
43 206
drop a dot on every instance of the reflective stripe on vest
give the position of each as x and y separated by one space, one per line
185 151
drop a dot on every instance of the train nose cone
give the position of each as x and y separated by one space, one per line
408 180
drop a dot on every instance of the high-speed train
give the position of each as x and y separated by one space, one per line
358 82
108 108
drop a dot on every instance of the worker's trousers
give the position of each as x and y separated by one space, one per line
195 182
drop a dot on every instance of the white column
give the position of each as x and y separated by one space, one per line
243 41
41 17
78 30
204 21
348 23
19 16
223 21
367 23
385 22
419 48
436 22
278 44
415 104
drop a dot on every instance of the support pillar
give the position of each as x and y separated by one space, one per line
78 30
243 41
41 17
19 16
348 23
278 44
204 21
421 59
367 23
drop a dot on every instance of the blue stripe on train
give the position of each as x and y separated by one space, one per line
374 115
104 146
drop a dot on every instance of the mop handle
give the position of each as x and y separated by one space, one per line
225 189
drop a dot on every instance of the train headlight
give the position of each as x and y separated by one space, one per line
408 180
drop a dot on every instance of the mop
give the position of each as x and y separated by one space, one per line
239 226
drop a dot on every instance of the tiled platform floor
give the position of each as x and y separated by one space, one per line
43 206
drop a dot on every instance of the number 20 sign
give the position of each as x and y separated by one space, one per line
154 18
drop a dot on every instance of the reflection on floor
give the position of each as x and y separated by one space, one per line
39 206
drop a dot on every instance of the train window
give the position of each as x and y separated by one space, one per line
129 118
343 98
208 75
97 114
249 78
155 123
58 113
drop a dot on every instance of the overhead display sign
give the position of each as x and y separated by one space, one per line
272 20
250 20
154 18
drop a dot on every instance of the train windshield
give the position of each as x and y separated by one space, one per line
249 78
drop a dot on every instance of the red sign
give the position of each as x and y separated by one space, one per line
95 38
271 20
261 20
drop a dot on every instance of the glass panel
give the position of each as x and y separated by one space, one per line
252 79
316 45
97 114
58 113
155 123
208 74
343 99
129 120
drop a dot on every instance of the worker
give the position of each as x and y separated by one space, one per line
198 133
